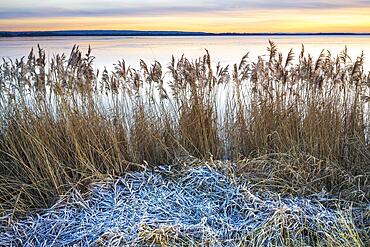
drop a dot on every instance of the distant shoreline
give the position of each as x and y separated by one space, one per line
155 33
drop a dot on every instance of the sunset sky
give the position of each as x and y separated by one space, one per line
187 15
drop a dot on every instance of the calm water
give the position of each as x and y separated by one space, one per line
226 50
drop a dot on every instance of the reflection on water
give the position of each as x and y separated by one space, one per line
227 50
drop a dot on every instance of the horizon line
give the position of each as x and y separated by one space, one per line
113 32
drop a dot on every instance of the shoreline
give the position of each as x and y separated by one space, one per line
134 33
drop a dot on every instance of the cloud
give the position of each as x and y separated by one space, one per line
297 4
62 12
96 8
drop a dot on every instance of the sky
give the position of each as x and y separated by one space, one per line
187 15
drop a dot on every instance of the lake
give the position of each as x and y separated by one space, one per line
224 49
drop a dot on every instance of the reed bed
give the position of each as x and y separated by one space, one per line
300 126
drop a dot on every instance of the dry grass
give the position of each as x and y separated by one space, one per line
64 124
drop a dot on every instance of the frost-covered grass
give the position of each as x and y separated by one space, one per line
198 205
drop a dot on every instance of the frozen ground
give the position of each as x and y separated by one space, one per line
200 205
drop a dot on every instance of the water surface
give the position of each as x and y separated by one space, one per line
224 49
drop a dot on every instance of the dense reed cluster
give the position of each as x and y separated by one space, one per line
63 123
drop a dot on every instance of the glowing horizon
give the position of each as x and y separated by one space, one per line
164 15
